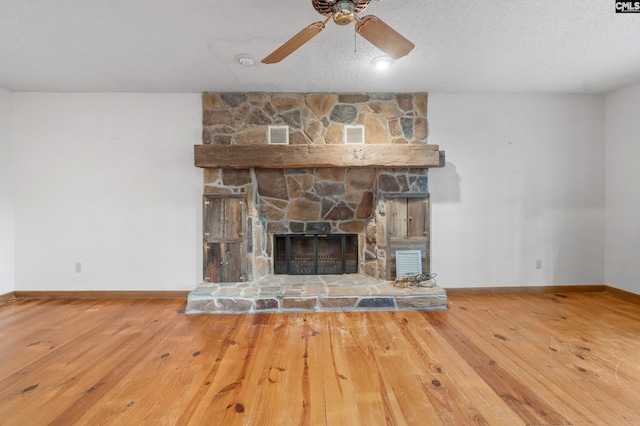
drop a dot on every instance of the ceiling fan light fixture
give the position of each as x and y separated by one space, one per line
343 12
381 62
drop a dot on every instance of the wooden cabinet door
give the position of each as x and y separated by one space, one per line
223 262
223 218
408 217
224 238
417 217
407 229
233 218
397 217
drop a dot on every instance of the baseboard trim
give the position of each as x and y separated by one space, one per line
623 294
7 297
455 291
464 291
101 294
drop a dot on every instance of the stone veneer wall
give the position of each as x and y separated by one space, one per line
333 200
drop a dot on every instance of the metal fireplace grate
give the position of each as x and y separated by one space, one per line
297 254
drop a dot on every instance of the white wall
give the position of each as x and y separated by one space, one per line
107 180
6 194
524 181
622 246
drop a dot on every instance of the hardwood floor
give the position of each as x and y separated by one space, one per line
501 360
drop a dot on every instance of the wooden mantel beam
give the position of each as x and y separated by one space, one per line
317 156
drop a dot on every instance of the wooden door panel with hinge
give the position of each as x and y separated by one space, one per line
223 218
213 218
233 218
407 228
417 217
212 262
224 238
397 217
223 262
231 270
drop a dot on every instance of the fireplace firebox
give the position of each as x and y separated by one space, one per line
299 254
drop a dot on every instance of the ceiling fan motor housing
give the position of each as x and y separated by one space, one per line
343 13
337 8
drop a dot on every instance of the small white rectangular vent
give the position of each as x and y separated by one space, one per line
353 133
408 262
278 135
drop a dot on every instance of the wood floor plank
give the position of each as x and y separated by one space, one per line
71 372
584 346
458 374
253 396
137 398
224 377
584 357
523 341
130 343
271 407
56 357
531 408
400 362
375 398
253 378
449 402
285 381
565 358
370 392
341 406
532 366
34 335
313 378
407 390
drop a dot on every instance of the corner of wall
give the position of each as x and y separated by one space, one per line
622 183
7 228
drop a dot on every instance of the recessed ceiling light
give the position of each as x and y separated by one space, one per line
382 62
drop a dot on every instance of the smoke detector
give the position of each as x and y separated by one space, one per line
245 60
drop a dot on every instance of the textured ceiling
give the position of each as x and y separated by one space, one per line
551 46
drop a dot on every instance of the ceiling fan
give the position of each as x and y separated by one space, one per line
344 12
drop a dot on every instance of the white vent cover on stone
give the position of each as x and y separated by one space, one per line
353 133
408 262
278 135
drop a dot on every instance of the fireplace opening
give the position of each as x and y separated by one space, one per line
298 254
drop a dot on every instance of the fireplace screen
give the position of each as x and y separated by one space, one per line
316 254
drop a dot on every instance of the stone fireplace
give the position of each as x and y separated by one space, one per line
317 193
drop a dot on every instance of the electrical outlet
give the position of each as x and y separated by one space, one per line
78 267
539 264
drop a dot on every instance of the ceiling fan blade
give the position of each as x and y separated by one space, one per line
294 43
383 37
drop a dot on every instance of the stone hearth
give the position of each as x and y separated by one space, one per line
312 293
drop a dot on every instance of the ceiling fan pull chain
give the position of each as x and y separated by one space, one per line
355 40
